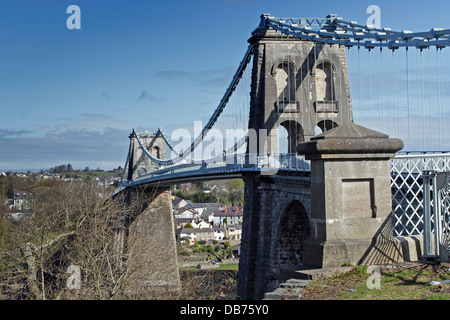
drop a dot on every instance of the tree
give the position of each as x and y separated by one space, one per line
219 194
198 185
3 232
236 184
236 190
69 224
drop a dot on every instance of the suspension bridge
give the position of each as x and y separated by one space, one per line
298 79
379 98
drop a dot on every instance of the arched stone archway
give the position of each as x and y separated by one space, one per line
293 230
156 152
295 134
285 80
324 81
326 125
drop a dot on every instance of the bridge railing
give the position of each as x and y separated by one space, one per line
407 188
226 164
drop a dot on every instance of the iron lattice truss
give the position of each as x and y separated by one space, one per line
334 30
407 190
445 214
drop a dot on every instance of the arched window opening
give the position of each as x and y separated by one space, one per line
156 152
294 134
283 138
324 83
326 125
285 79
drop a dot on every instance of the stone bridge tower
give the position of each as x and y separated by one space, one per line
299 85
138 162
147 234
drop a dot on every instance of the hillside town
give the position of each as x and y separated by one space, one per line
206 221
16 188
209 232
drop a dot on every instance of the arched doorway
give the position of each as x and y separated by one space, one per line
293 230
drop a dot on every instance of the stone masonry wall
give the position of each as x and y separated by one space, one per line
151 243
266 199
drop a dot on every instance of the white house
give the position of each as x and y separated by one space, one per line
218 233
201 224
21 200
194 206
186 213
233 232
230 217
195 234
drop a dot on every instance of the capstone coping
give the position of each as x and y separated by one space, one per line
350 138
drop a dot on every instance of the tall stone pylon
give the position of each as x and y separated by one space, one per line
147 235
138 162
299 85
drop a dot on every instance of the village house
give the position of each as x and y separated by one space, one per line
178 202
201 224
21 200
184 213
206 220
233 216
194 222
194 206
180 223
233 232
212 205
194 234
219 234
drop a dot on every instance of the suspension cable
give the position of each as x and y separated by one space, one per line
407 98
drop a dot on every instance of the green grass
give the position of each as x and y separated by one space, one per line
407 284
395 283
229 266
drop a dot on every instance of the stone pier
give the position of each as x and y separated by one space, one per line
151 247
148 238
350 198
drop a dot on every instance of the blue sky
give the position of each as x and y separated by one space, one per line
73 96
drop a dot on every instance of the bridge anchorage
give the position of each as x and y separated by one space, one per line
324 184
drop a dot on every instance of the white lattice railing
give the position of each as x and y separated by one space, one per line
407 189
445 216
